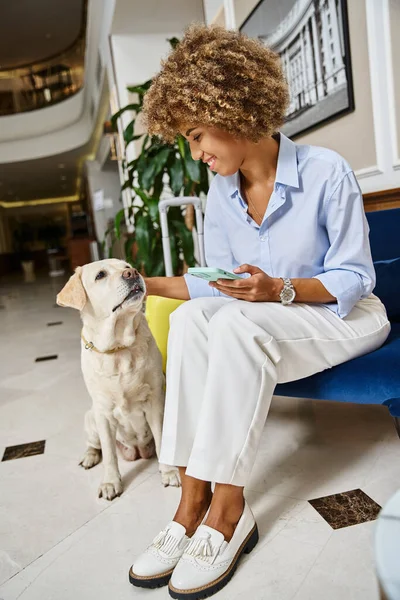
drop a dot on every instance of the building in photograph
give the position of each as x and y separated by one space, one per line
310 42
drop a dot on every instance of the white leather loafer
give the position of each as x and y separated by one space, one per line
209 562
154 567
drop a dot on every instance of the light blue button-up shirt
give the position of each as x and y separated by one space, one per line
314 226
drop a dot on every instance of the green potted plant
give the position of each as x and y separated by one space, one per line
158 168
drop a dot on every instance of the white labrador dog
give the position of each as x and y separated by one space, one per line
122 369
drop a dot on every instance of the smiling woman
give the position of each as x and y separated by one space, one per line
289 220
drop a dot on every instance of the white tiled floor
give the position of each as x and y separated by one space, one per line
59 541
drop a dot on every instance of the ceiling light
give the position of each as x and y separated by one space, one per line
61 165
63 177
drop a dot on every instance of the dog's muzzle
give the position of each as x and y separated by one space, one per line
131 278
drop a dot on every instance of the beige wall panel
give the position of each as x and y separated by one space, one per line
352 135
394 8
243 9
219 18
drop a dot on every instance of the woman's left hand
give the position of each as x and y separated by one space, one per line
259 287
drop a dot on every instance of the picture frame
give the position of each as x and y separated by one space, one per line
312 39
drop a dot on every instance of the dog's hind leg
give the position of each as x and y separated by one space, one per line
92 456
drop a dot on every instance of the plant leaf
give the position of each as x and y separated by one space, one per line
181 145
128 132
152 204
155 165
186 241
128 248
176 175
140 89
158 185
192 167
142 235
174 42
126 185
144 197
116 116
118 219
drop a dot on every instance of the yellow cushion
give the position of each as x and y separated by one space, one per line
158 310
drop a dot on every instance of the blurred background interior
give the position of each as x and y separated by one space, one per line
65 69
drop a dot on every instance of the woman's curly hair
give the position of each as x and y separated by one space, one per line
217 78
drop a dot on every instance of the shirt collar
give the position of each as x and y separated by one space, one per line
286 171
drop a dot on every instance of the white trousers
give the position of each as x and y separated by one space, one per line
225 358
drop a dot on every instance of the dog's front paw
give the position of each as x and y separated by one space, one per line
109 491
170 476
91 458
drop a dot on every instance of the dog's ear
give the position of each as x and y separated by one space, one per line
73 294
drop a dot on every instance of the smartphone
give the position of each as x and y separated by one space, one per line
211 274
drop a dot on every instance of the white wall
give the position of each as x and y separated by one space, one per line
106 179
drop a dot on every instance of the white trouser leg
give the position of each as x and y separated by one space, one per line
222 390
186 376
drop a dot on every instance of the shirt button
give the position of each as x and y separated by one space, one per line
262 238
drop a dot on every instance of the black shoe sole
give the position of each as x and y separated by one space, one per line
151 582
213 588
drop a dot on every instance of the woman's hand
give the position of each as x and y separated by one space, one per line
259 287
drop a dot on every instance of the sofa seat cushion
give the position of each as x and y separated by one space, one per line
370 379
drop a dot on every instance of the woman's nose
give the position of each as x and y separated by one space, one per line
130 274
196 154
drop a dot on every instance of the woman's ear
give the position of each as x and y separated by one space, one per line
73 294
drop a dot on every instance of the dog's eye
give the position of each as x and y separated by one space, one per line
100 275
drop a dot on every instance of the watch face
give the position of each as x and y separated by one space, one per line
287 295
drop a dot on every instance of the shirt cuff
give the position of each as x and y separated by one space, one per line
345 286
199 288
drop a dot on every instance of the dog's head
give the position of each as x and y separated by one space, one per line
104 288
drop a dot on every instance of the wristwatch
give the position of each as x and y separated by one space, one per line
288 292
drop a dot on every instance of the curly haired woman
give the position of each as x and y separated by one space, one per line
290 220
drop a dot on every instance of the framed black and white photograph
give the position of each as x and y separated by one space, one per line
312 39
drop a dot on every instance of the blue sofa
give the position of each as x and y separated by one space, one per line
375 377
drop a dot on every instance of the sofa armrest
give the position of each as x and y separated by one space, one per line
158 311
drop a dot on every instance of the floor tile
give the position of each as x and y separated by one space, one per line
347 508
24 450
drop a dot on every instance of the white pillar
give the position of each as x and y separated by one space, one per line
326 42
311 73
304 68
317 57
339 66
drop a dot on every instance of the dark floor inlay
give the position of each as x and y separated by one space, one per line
23 450
347 508
50 357
54 323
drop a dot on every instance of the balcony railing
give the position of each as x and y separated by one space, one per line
43 84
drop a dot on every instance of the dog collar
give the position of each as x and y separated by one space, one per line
91 346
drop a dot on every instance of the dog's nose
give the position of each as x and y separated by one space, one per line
130 274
